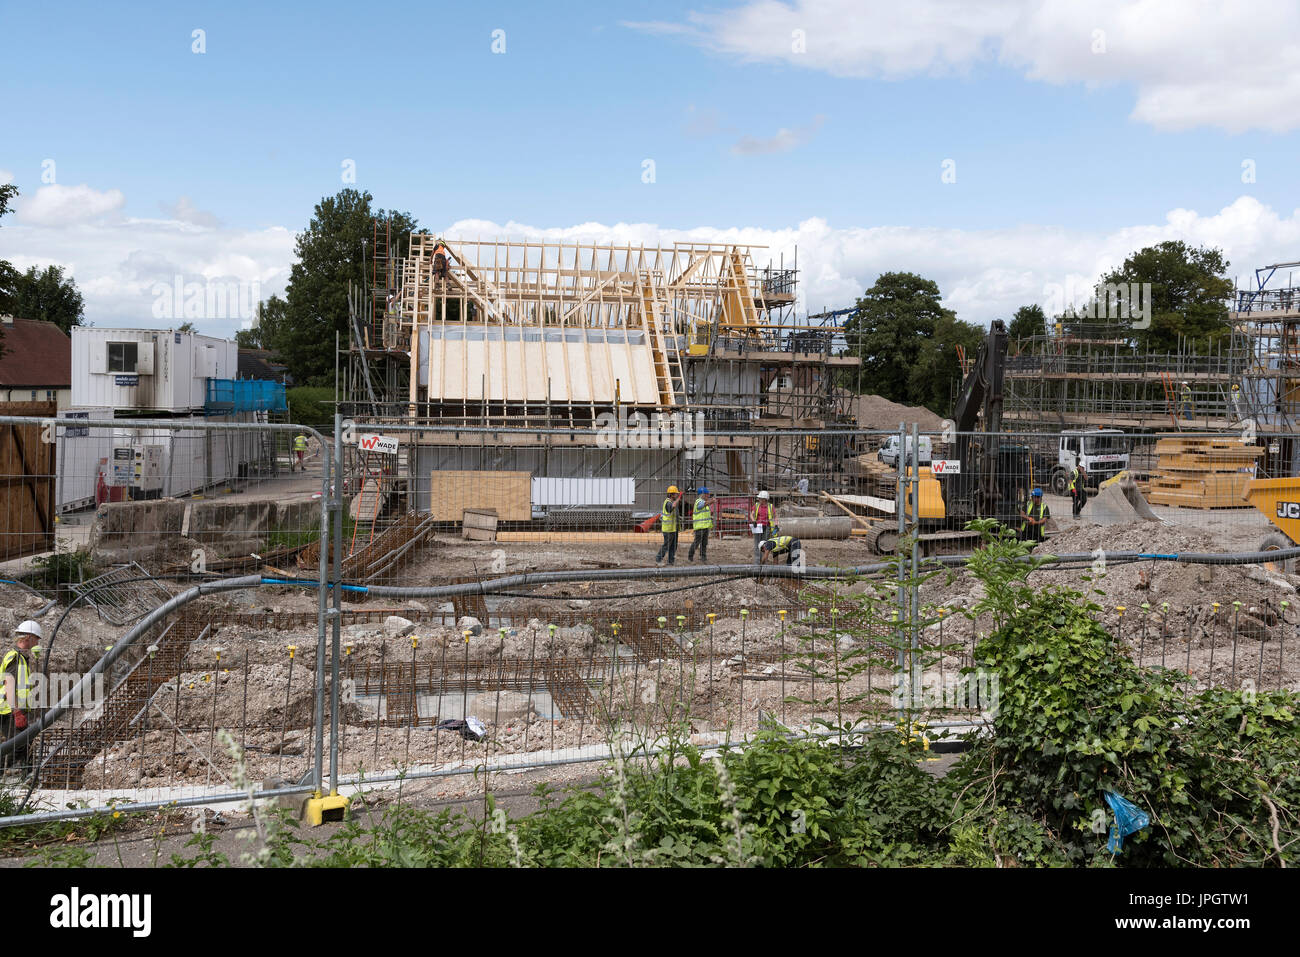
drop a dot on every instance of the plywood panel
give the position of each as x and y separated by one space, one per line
508 493
26 483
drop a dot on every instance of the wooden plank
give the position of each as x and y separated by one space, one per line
509 494
858 519
27 467
479 525
603 538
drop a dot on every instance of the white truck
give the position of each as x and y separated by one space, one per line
889 451
1102 452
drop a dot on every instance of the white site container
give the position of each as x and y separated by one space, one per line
188 459
158 369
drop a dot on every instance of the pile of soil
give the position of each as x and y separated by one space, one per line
877 412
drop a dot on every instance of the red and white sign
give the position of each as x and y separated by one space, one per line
946 466
369 442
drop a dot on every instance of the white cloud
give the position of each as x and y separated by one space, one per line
58 205
124 266
983 274
184 211
784 141
1230 64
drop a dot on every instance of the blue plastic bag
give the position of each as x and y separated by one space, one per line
1129 819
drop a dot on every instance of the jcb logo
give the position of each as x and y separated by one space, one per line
1288 509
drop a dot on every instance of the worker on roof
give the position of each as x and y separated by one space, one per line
669 519
762 521
778 545
702 523
16 682
1078 487
440 260
1034 515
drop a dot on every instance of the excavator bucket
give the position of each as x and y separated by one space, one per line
1119 504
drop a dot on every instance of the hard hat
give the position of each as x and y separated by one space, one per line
674 490
702 490
767 546
762 495
1038 493
29 627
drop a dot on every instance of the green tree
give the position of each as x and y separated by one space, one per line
268 329
1189 293
908 341
48 296
332 252
187 327
1028 321
8 275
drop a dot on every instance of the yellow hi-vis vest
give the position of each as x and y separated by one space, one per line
701 516
300 443
781 544
761 513
1029 510
668 516
1075 484
22 682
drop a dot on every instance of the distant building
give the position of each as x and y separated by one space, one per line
37 362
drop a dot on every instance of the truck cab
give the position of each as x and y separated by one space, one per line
1102 452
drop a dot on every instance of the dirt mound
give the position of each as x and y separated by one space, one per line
877 412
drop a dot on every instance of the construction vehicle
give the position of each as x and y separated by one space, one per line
1279 500
1103 453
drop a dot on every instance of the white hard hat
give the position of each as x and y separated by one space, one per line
29 627
762 494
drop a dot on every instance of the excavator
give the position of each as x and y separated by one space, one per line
995 476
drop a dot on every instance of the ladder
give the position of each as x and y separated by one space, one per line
1171 399
667 366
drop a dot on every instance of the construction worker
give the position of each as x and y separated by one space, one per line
1034 516
1235 397
702 523
299 450
440 261
1186 397
786 545
1078 488
15 673
669 516
762 521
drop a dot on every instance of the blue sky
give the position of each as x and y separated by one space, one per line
1063 152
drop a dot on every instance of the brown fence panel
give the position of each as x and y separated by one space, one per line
26 483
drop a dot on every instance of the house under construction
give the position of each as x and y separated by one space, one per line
539 335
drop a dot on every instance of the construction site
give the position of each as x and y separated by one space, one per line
494 594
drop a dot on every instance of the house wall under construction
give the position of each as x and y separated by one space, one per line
593 338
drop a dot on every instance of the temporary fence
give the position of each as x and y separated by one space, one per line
203 641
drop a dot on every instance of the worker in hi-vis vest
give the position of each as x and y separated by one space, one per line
16 685
299 450
702 522
669 519
1034 516
762 521
786 545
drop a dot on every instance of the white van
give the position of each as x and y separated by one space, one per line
889 451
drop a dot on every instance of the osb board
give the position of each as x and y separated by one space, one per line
26 483
509 494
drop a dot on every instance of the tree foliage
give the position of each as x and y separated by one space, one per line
48 296
908 341
333 251
8 275
1028 321
1189 291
